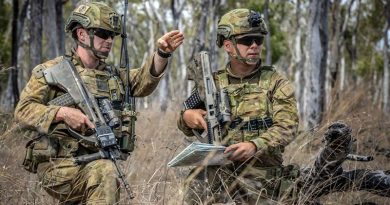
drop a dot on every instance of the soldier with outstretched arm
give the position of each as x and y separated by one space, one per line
52 151
263 119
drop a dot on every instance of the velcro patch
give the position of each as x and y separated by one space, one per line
38 71
82 9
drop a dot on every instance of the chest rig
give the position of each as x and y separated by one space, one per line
107 87
104 84
251 105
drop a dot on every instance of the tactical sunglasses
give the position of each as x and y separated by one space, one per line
248 40
104 34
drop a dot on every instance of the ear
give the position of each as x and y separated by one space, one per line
81 34
228 46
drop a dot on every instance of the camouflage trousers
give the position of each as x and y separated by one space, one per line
93 183
229 184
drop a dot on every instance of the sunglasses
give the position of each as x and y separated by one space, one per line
104 34
248 40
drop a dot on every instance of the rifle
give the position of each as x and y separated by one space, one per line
65 76
216 101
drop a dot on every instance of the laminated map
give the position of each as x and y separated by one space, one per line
197 154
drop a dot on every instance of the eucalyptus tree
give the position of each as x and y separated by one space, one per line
316 46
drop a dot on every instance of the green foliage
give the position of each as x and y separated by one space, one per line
276 13
369 63
369 35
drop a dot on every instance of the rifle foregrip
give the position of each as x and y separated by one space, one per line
63 100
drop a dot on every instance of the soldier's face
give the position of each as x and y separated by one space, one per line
103 41
249 47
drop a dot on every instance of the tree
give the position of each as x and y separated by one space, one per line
14 55
36 8
315 65
386 59
50 28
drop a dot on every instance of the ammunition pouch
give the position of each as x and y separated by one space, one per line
39 150
127 140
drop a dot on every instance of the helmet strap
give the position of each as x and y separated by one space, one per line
91 47
239 57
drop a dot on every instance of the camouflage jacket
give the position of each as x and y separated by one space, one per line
33 111
265 92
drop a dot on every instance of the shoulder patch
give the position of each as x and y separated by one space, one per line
38 71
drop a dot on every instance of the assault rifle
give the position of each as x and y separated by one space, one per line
216 101
65 76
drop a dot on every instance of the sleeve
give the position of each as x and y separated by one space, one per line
183 126
285 116
143 83
32 111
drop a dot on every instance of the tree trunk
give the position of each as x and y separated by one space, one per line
214 14
50 30
14 55
334 52
339 26
36 33
315 64
298 59
268 59
200 41
60 27
386 60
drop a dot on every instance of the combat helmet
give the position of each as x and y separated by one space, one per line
94 15
239 22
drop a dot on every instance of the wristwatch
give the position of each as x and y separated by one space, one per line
163 54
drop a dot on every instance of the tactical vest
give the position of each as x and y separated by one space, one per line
102 84
252 102
249 102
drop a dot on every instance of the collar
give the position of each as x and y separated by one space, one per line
230 73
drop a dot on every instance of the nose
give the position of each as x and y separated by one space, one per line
254 44
110 39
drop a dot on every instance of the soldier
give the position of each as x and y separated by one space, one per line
264 120
93 27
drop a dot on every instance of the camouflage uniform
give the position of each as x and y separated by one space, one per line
263 93
51 153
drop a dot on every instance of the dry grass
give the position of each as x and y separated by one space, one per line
159 140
